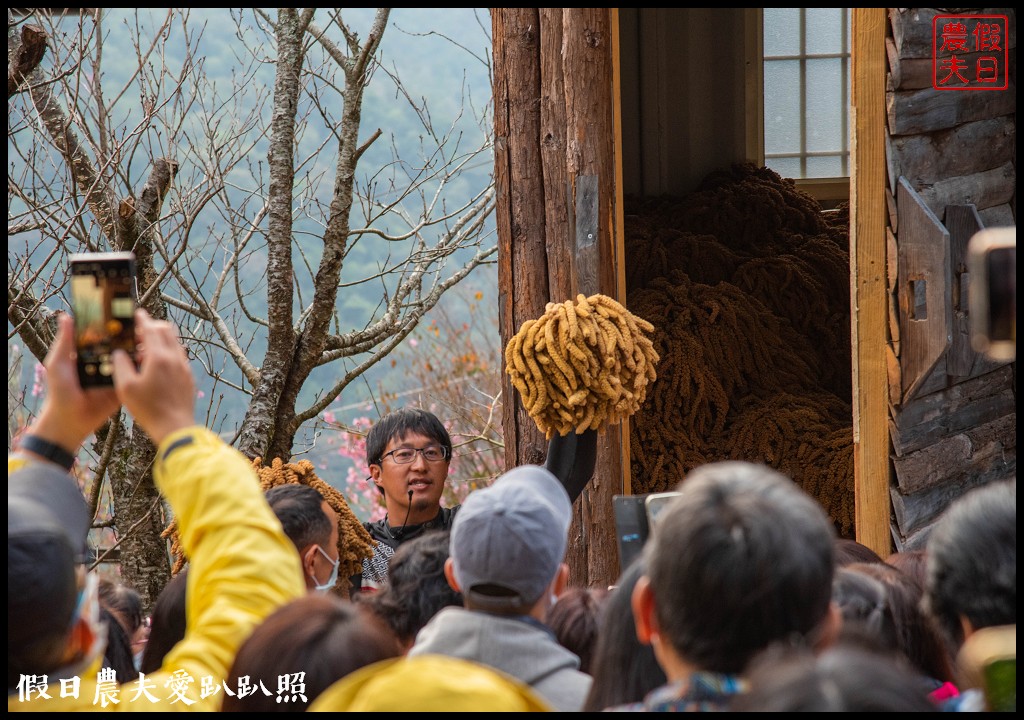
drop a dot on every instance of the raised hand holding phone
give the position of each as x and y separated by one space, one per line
69 413
160 391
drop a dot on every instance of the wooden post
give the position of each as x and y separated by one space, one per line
591 170
618 230
868 284
559 220
522 236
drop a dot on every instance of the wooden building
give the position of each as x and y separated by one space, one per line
596 105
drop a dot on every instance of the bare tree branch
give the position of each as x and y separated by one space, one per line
24 227
98 195
30 323
110 433
26 57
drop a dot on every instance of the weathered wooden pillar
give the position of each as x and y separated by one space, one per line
557 219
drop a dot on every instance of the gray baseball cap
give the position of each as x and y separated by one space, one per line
47 526
42 498
508 540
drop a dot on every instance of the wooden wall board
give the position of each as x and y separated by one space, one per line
983 190
892 366
998 216
956 409
912 112
892 214
962 222
983 451
923 290
906 73
963 150
912 27
892 266
936 381
962 361
915 511
917 540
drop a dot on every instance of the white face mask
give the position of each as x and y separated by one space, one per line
332 580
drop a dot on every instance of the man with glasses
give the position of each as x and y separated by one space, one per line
408 453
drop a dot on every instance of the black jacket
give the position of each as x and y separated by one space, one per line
570 458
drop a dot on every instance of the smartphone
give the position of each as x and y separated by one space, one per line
630 527
992 293
656 502
103 300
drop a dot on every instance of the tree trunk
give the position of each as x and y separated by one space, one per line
145 563
556 221
260 426
522 258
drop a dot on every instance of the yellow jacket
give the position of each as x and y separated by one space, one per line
242 568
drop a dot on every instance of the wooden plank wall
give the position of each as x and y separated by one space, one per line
954 153
556 219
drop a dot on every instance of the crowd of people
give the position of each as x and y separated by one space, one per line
744 598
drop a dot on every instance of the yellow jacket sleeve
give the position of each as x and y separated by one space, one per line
241 564
242 568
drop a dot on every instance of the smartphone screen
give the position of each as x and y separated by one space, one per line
656 502
630 527
103 299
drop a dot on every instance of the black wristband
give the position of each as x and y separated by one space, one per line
44 448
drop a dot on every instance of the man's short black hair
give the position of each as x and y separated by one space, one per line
742 558
42 592
972 561
417 588
299 508
400 423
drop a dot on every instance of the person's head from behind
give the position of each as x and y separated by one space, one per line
971 573
574 620
918 638
508 544
319 635
167 623
624 669
123 603
52 605
912 563
417 588
846 677
850 551
864 606
312 526
117 653
741 558
407 453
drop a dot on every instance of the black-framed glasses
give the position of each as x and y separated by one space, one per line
405 455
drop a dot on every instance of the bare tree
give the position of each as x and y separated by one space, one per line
293 247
